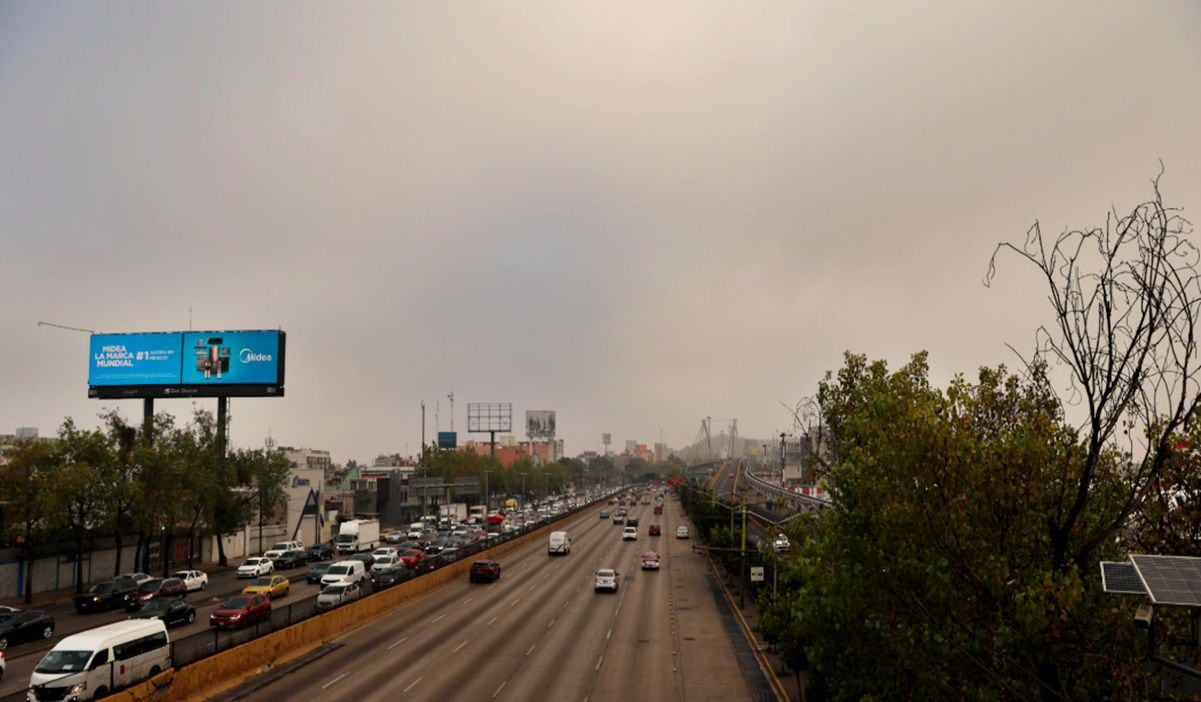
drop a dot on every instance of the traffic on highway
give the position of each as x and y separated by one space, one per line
192 603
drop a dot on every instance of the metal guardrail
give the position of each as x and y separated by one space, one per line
792 498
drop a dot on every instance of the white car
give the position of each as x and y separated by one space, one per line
781 544
650 561
138 578
629 534
384 561
338 594
194 579
3 664
681 532
283 547
384 552
606 579
255 567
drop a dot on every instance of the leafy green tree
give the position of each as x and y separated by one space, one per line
118 483
934 574
27 477
77 503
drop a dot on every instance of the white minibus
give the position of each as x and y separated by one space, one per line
97 662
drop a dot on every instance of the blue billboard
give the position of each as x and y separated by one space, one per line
193 363
215 358
134 359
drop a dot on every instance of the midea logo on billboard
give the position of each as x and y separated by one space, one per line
249 356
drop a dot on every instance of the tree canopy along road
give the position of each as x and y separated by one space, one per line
541 632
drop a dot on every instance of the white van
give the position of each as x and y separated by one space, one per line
345 572
559 544
97 662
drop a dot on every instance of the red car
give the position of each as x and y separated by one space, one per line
170 587
488 571
655 530
241 610
412 557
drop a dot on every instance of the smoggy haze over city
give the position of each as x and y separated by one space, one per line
636 214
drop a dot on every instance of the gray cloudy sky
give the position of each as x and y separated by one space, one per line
636 214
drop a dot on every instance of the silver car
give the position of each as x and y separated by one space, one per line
337 595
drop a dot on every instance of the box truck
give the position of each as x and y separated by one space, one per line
358 535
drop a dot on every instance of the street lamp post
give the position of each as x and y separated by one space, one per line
487 494
523 474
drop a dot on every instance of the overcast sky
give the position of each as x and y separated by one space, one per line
637 214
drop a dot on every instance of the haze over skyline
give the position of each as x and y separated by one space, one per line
634 214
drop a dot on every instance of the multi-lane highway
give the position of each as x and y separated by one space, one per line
23 657
540 632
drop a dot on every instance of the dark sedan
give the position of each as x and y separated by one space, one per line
172 611
290 559
320 552
241 610
152 589
104 596
24 625
392 575
316 572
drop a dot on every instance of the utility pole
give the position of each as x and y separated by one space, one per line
452 411
424 472
742 586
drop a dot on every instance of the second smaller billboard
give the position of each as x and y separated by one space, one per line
540 424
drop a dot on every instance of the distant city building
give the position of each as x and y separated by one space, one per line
661 453
27 432
304 518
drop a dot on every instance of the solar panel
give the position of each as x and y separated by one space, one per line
1121 579
1170 580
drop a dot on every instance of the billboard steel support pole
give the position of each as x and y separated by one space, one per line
148 418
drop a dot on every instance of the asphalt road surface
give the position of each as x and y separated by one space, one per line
540 632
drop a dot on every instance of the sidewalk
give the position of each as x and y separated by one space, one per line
784 681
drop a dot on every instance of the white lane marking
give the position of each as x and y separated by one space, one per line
465 601
460 647
552 623
491 620
438 618
599 661
413 684
514 602
502 686
527 653
566 603
331 682
609 634
398 643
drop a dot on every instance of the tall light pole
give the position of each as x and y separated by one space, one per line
523 474
487 493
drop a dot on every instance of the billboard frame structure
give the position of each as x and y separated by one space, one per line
540 424
169 364
489 418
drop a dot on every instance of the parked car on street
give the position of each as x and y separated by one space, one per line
171 611
241 610
21 625
193 579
